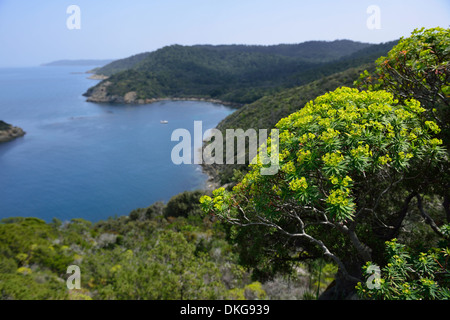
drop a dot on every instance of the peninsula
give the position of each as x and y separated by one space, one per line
83 62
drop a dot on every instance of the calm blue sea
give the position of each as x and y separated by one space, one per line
86 160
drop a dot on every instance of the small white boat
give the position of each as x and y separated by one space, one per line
164 121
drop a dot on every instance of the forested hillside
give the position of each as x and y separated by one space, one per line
234 74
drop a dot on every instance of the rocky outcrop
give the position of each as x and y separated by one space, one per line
8 132
100 94
130 97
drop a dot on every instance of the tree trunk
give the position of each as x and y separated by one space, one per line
342 288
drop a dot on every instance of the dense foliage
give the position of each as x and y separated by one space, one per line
267 111
418 67
424 276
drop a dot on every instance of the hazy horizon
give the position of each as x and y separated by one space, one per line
37 33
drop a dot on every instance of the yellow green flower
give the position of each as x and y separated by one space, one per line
288 168
329 135
432 126
298 184
383 160
338 198
303 155
333 159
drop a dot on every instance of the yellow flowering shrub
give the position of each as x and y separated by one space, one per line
336 143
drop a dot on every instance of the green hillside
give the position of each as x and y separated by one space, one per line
236 74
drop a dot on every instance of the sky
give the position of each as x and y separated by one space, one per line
36 32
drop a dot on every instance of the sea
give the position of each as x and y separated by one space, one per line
86 160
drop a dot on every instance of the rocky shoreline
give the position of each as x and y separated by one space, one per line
99 94
9 132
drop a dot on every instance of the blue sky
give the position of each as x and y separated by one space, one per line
36 32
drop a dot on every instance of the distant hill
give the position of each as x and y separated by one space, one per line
311 51
86 62
238 74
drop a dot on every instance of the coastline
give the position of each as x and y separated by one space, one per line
99 94
130 100
216 101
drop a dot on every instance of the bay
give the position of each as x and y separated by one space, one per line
86 160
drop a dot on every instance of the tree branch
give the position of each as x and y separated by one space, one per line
427 218
302 234
364 251
402 214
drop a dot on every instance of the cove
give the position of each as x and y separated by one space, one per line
86 160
